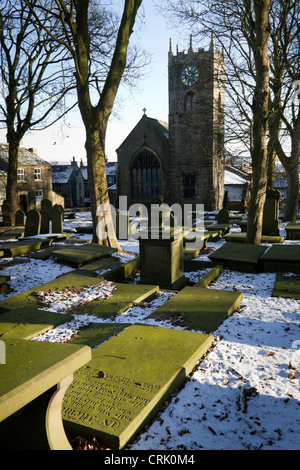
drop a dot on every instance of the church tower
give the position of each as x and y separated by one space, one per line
196 127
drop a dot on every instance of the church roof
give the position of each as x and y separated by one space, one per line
162 126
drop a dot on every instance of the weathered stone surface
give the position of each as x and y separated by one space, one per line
284 258
33 223
124 297
161 259
287 285
240 237
199 308
79 254
13 233
292 231
25 323
57 217
239 256
127 381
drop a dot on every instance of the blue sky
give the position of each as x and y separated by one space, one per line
62 144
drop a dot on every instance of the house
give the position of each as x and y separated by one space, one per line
111 178
68 181
34 181
237 187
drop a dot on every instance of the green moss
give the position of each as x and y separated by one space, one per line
200 308
128 380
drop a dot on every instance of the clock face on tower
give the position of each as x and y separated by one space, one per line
190 76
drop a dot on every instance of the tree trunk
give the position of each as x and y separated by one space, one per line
292 169
11 190
260 107
95 118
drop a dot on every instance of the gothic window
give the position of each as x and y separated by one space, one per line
145 176
189 185
189 101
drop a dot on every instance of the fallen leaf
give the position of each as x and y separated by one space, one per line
270 353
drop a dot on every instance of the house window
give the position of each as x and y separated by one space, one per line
37 174
189 185
146 176
21 174
38 196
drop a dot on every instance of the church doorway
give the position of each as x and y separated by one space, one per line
146 177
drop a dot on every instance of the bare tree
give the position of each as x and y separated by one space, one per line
35 80
96 96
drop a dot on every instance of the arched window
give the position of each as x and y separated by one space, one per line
189 101
145 176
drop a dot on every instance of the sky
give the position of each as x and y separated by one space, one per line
151 93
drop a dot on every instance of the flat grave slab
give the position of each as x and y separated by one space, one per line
282 258
79 254
124 295
199 308
95 334
21 246
293 231
26 323
127 381
287 285
239 256
223 228
13 233
32 384
240 237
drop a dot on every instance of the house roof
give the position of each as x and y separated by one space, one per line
231 178
25 157
61 173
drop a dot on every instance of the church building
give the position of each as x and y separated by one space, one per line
182 160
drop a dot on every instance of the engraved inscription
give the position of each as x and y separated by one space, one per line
102 400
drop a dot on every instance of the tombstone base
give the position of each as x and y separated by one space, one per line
161 262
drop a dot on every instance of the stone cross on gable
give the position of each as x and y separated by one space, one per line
144 110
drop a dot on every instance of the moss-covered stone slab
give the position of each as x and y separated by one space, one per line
95 334
124 297
240 237
239 256
30 299
128 380
287 285
32 385
223 228
199 308
20 247
292 231
13 233
208 278
26 323
282 258
80 254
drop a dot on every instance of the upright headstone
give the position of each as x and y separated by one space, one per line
46 206
20 217
33 223
6 213
271 213
57 216
223 216
45 222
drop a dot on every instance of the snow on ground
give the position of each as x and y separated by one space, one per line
244 394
